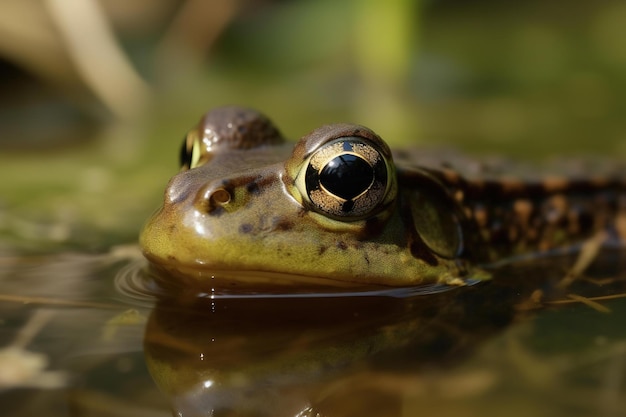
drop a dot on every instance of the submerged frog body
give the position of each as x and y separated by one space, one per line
339 207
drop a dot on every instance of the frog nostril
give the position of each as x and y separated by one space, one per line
219 197
212 199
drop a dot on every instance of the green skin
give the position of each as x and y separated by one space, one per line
241 214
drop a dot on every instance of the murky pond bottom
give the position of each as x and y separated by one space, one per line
89 335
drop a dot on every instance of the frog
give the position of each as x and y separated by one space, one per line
339 208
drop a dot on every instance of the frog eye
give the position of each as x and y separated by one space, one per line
190 151
346 178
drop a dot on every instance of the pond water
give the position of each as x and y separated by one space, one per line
96 335
86 331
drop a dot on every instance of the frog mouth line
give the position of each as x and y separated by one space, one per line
222 283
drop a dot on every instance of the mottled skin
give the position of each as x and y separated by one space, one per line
243 208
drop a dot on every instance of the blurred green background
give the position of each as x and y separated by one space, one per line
97 95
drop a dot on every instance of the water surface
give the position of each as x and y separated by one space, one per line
112 342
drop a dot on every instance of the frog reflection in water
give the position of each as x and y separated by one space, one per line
338 208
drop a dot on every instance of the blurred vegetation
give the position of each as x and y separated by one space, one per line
97 95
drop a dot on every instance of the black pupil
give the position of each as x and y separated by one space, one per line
185 154
346 176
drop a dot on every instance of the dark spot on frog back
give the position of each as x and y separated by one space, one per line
282 224
252 188
255 184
